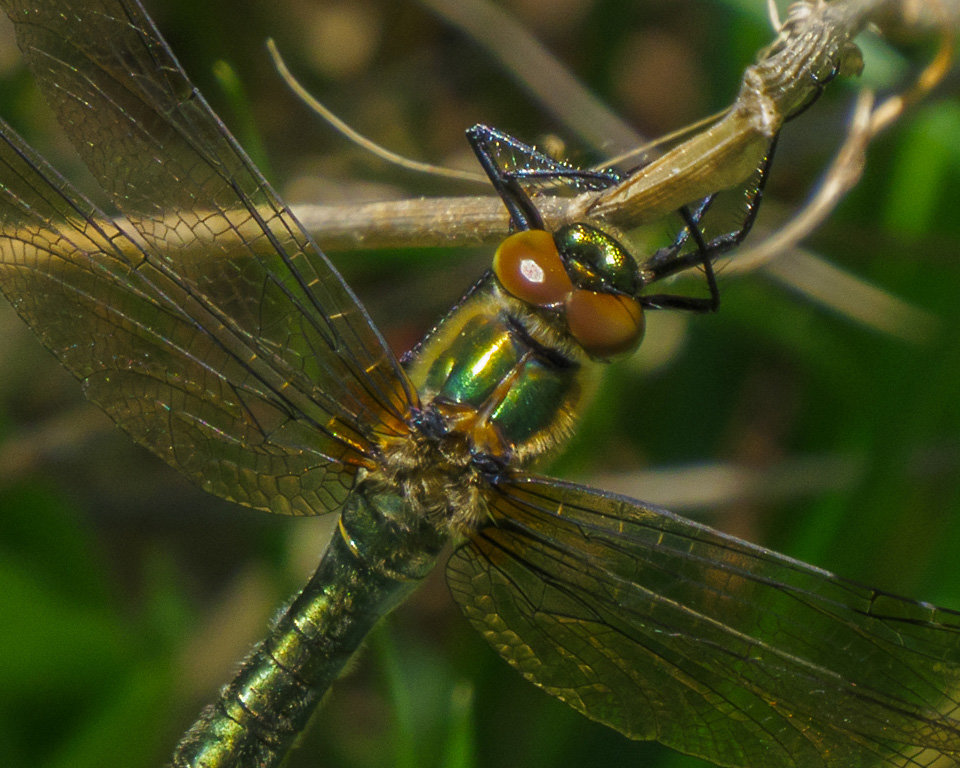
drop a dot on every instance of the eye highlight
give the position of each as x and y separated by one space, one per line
528 266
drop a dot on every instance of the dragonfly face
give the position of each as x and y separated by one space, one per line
506 370
212 329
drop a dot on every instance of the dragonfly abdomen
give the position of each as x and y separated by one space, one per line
377 557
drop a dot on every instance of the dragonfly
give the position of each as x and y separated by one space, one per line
213 330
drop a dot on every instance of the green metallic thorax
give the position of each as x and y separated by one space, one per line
495 369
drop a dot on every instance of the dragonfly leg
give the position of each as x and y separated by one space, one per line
701 255
668 261
594 179
488 143
523 213
820 83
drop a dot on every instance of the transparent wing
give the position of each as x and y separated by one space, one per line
204 320
665 629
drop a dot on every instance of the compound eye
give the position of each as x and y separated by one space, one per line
604 324
528 266
595 260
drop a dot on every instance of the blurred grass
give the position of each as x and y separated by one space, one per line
128 596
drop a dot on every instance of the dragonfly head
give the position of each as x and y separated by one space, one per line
595 260
582 273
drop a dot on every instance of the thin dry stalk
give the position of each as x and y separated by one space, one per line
813 44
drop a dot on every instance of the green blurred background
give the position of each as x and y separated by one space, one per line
127 596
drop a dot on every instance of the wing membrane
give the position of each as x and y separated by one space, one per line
665 629
205 321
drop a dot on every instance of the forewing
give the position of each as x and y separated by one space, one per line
665 629
205 321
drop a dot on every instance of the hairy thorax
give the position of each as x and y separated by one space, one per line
499 387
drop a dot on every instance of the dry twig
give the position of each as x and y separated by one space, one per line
814 44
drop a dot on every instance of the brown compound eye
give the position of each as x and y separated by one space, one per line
528 266
604 324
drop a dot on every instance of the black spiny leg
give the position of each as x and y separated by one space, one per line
529 166
668 256
669 261
819 84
